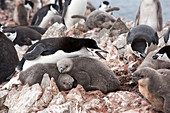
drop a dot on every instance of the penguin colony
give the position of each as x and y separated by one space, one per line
68 59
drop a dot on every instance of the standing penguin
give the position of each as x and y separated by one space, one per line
150 13
141 40
44 15
167 37
73 7
21 13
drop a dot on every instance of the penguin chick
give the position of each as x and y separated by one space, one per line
154 63
141 40
155 88
167 37
21 13
22 35
150 13
90 73
35 73
44 15
65 82
163 54
99 19
8 58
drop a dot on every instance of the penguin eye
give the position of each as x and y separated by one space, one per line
64 83
8 35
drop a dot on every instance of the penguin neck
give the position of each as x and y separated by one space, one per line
53 58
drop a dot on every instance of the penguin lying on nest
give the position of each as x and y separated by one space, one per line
22 35
99 19
154 85
141 40
53 49
90 73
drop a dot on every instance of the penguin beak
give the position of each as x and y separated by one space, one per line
69 85
60 69
97 52
142 55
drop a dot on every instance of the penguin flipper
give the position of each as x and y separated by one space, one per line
37 50
65 10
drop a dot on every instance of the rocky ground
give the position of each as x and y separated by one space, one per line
46 97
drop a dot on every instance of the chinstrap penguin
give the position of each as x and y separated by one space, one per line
163 54
22 35
44 15
8 58
104 6
73 7
141 40
53 49
90 73
154 63
154 86
21 13
150 13
167 37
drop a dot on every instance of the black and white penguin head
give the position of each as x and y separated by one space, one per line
163 54
139 46
54 9
105 5
29 5
11 35
167 37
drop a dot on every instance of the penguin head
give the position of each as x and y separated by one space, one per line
66 81
64 65
139 47
94 48
54 8
29 5
11 35
105 5
163 54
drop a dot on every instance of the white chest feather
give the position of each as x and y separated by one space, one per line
53 58
77 7
148 13
46 19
